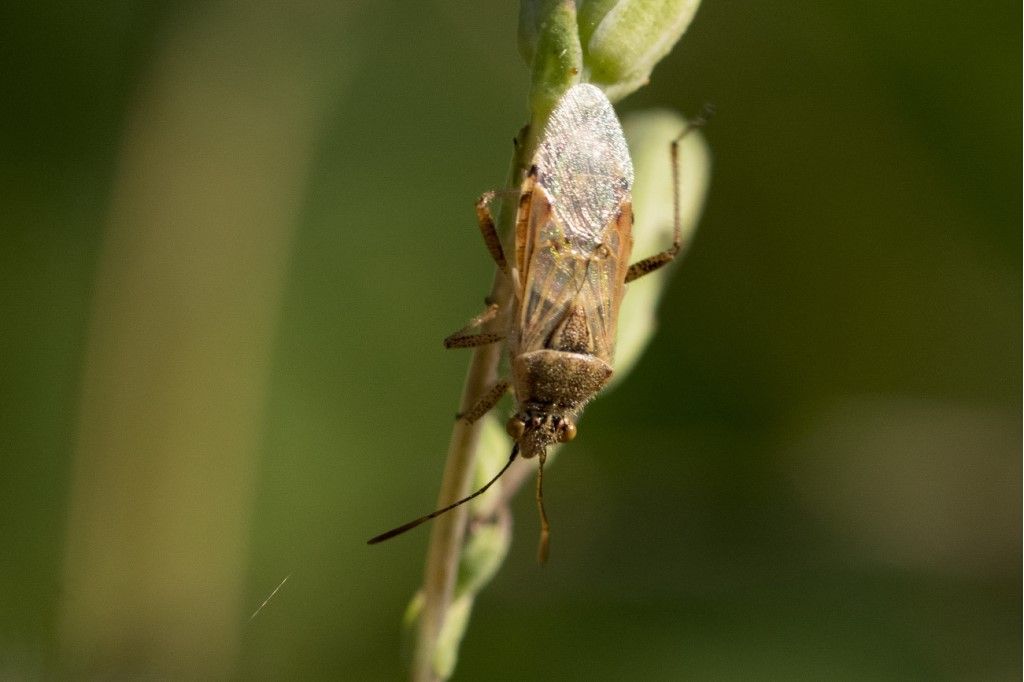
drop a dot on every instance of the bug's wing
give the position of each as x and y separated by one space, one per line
564 267
605 281
573 236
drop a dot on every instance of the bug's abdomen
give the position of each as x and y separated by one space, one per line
559 379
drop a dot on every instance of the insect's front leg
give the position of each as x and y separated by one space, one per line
659 260
490 233
484 404
464 338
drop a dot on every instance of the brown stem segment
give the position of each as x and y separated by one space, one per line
448 532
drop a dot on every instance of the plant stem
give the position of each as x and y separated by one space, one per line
448 532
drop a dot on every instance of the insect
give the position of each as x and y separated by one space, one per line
570 266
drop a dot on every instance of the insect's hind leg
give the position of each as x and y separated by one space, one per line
484 404
463 338
659 260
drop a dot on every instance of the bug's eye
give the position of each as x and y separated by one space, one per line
515 427
567 432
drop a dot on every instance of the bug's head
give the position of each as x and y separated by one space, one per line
535 431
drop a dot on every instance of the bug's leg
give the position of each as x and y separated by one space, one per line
489 232
484 404
652 263
463 338
458 340
659 260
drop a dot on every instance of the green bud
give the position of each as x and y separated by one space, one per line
412 612
492 453
550 44
456 618
410 624
589 15
624 39
482 556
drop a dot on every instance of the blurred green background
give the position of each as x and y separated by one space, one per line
232 237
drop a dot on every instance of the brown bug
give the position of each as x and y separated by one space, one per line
572 243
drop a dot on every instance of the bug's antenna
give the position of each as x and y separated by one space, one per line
545 527
423 519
